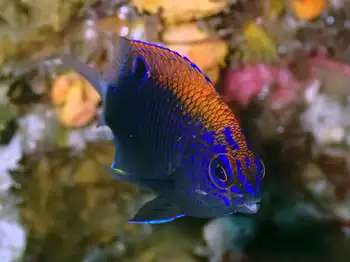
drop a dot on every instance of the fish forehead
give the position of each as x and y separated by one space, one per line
194 91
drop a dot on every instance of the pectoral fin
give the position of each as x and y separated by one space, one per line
121 175
157 211
159 186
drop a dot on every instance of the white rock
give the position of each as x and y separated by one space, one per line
227 233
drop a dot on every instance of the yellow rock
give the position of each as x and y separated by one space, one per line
75 98
203 49
181 10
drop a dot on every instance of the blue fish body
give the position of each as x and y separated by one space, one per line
174 134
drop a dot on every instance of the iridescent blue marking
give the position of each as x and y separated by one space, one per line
247 161
235 190
208 79
160 221
239 171
225 199
243 179
196 67
188 60
238 200
249 188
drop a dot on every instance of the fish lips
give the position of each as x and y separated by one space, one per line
249 208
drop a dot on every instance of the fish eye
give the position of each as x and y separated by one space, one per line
220 170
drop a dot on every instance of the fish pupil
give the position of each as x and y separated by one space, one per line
220 172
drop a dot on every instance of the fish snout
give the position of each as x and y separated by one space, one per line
249 208
246 204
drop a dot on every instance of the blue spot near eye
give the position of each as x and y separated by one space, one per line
208 79
225 199
201 202
249 188
235 190
239 171
159 221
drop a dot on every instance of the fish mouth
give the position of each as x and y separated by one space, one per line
250 207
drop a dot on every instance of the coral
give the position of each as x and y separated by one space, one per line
34 26
194 43
68 203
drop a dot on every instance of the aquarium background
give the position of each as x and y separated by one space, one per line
283 66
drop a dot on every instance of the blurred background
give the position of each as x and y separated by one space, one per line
282 65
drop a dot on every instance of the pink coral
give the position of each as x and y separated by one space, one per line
243 84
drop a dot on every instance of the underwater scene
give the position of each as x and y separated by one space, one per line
175 131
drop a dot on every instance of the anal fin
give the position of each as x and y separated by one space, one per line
157 211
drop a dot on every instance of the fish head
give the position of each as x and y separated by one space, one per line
219 181
236 178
